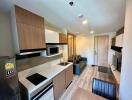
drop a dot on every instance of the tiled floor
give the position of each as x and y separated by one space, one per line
85 81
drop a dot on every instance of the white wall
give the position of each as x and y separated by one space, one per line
110 52
126 71
85 47
6 48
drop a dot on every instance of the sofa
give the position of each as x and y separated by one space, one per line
79 63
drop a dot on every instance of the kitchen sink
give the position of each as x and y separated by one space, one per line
63 63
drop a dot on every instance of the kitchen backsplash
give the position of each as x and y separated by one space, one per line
27 63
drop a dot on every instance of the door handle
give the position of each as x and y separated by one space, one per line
95 52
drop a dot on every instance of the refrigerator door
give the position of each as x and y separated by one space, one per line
9 89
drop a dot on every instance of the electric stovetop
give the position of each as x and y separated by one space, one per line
36 78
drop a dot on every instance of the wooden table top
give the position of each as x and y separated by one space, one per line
82 94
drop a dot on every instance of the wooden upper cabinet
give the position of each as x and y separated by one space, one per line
62 38
30 29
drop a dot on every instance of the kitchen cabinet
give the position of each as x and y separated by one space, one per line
119 40
30 37
69 75
59 85
51 36
62 81
62 38
28 30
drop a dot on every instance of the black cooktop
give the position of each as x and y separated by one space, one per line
36 78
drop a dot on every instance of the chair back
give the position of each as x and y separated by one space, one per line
104 89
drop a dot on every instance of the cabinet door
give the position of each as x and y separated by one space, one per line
30 37
69 75
62 38
30 29
59 85
51 36
119 40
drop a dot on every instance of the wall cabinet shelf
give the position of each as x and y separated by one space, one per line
55 38
119 40
62 38
28 28
118 49
51 36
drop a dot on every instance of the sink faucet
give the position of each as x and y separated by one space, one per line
61 60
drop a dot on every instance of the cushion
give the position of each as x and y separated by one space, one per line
79 57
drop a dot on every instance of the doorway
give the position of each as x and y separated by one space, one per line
101 44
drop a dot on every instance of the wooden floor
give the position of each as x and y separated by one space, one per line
84 81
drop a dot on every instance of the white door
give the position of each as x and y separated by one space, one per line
101 50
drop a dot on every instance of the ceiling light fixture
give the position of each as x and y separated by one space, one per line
84 22
91 32
80 16
71 3
77 32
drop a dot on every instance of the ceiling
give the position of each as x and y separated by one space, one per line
103 15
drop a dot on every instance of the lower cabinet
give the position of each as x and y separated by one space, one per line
69 75
62 81
59 85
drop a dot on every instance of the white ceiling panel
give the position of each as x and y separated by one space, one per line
103 15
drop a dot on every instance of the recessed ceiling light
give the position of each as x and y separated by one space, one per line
84 22
91 32
80 16
77 32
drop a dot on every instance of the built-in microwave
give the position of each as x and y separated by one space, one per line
52 50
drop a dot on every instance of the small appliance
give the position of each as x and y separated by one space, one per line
52 50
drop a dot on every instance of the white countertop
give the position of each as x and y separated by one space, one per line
49 70
116 73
